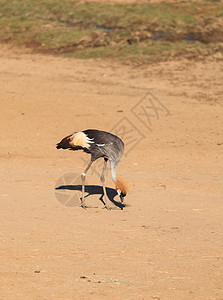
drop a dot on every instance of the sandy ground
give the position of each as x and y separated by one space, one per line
167 242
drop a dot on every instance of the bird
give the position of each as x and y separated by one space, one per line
99 144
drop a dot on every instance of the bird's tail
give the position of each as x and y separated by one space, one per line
65 143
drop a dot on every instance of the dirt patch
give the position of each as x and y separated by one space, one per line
167 242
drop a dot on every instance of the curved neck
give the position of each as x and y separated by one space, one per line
113 172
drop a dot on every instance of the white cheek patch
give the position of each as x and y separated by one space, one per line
119 192
81 139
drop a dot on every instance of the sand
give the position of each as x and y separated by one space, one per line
166 243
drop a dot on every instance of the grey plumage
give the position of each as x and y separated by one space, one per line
105 145
99 144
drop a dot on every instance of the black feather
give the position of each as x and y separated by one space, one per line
104 144
64 143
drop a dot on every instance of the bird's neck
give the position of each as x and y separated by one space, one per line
113 172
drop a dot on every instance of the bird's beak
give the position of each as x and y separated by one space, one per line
121 198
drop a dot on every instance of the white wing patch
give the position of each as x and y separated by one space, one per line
81 139
100 145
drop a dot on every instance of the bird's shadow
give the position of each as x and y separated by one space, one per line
94 190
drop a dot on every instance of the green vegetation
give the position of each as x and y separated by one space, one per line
138 32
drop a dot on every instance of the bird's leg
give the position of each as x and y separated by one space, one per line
103 185
83 176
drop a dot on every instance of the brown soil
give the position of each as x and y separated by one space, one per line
167 242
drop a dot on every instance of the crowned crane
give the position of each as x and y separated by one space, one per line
99 144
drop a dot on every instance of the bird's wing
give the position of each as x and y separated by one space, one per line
99 137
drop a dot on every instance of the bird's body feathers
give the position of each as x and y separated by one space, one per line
96 142
99 144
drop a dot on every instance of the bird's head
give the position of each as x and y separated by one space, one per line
121 195
121 188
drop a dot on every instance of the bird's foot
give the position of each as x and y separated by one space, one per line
110 208
88 206
83 205
107 207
